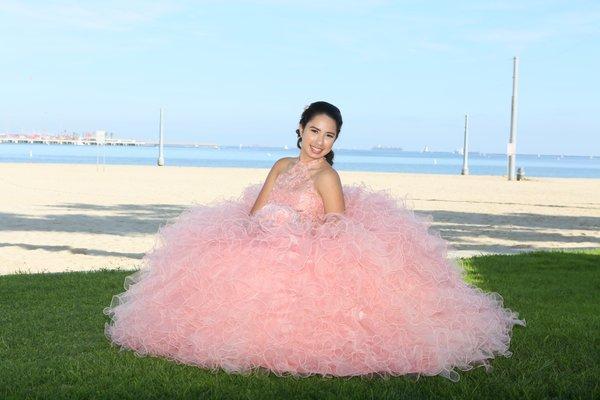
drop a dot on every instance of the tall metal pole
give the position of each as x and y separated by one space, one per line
512 142
161 158
465 167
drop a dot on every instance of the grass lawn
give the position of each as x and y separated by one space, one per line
52 342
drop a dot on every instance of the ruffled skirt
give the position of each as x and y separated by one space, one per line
366 292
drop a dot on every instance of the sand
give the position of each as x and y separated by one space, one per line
65 217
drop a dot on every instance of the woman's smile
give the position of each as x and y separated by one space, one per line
316 150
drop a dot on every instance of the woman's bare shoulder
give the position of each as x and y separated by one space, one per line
328 177
284 164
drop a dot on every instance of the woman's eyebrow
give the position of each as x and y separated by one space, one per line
312 126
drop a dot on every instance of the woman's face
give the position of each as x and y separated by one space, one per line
318 136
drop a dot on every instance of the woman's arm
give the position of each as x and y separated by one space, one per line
329 186
263 196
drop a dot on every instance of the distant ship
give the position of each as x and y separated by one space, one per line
386 148
425 149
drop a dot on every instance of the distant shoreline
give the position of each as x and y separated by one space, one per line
380 160
375 149
251 167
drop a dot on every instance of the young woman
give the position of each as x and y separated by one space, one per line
302 275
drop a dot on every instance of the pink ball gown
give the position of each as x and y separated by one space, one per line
297 291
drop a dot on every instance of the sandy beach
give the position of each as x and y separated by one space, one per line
59 217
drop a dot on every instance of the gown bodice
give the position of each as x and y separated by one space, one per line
294 189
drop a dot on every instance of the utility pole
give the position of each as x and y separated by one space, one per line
512 142
465 167
161 158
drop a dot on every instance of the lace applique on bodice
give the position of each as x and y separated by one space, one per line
296 189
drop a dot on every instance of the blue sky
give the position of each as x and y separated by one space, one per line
403 73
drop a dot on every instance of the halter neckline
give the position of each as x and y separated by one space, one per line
311 162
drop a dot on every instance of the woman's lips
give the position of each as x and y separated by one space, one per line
315 150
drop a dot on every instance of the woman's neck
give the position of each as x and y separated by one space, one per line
310 161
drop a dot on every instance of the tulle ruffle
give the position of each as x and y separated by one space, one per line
368 291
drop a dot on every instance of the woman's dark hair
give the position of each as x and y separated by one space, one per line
318 108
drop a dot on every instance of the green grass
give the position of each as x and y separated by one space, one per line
52 343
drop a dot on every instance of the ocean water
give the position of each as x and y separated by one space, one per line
345 159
